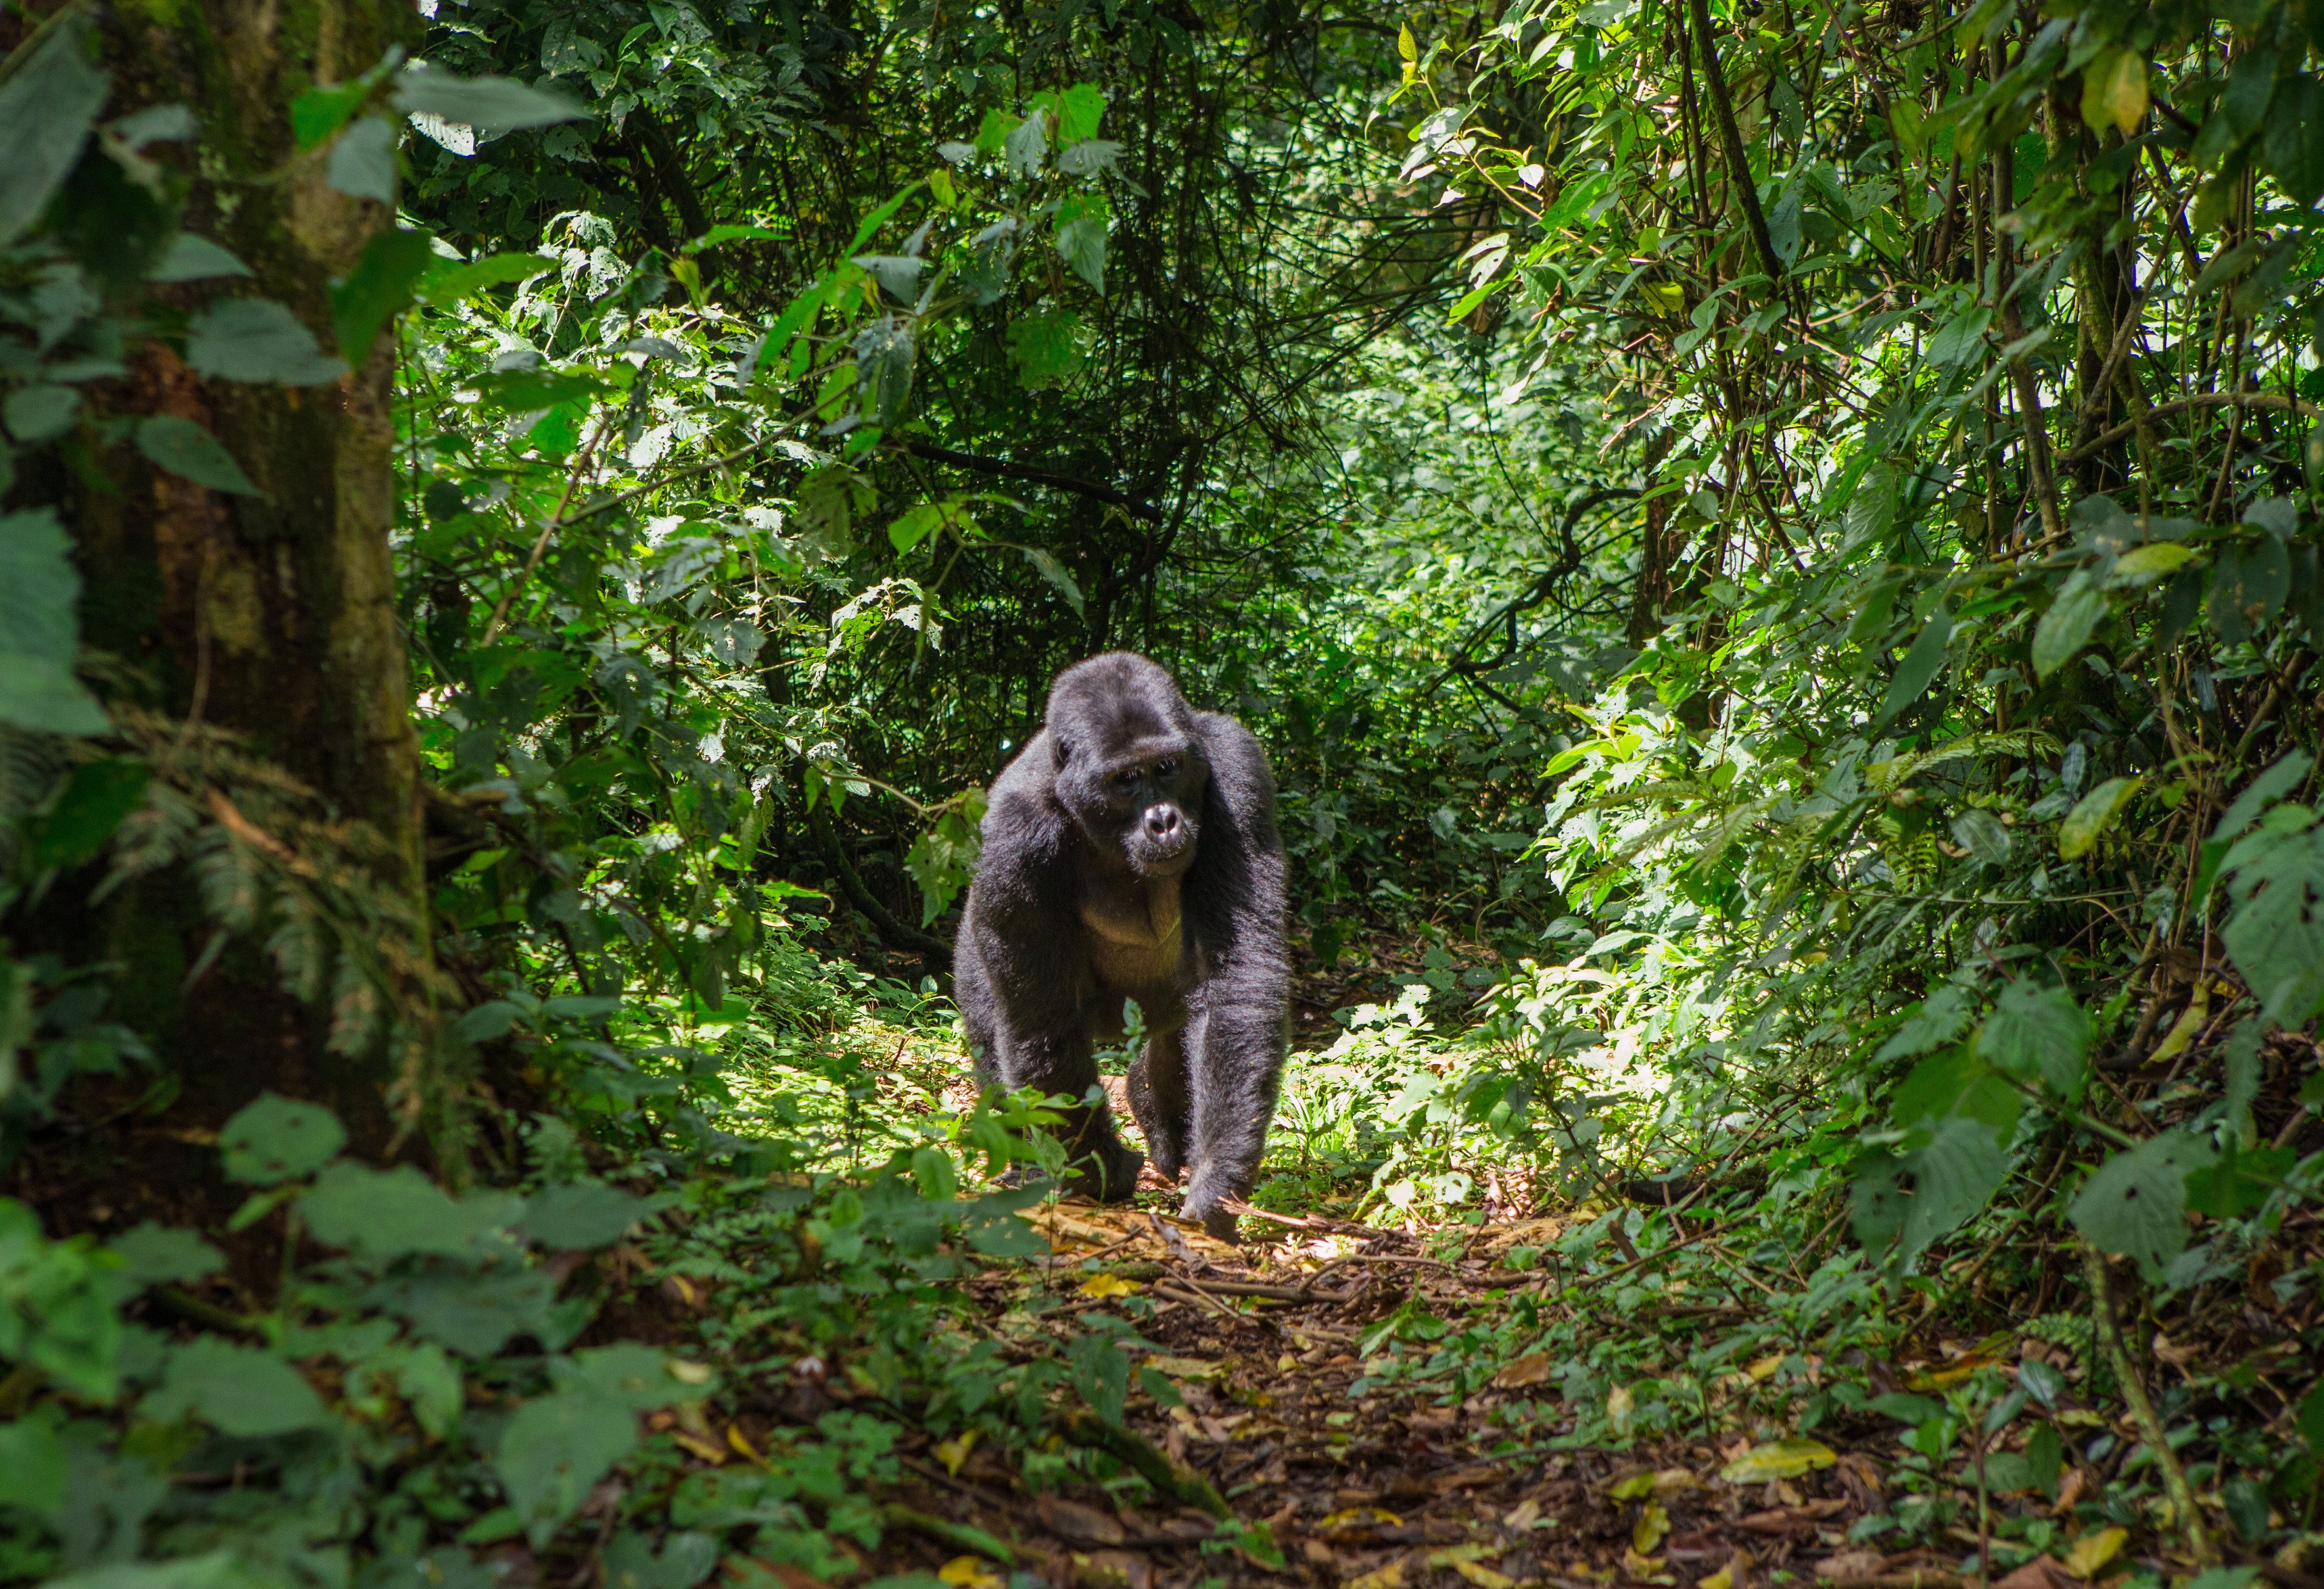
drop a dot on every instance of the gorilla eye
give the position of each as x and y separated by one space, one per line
1125 780
1163 769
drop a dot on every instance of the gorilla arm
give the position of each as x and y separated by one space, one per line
1239 1010
1022 970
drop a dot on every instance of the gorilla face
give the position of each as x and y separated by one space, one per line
1129 768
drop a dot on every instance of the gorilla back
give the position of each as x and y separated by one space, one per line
1131 853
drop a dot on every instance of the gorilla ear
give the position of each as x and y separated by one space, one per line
1061 749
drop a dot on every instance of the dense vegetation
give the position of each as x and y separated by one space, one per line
1774 546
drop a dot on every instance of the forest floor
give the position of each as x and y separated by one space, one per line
1362 1485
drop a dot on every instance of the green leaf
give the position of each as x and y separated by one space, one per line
362 161
474 1312
185 449
685 1558
1778 1459
1082 221
2038 1034
2280 779
238 1391
378 289
585 1214
635 1375
1982 835
317 113
1955 1083
2275 933
1954 1175
191 258
40 600
1943 1016
257 339
32 1466
2093 814
220 1569
2142 564
1100 1374
1080 110
40 412
155 1254
2066 627
555 1449
276 1139
1922 662
450 282
1046 348
1050 569
48 104
492 105
2136 1203
1961 338
522 392
98 796
429 1383
388 1213
2293 142
1026 146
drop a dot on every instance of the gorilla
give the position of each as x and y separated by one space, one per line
1130 853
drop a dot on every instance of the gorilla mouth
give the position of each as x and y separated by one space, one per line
1162 857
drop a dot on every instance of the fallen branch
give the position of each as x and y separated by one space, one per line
1151 1462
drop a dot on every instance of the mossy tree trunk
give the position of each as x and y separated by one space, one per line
268 618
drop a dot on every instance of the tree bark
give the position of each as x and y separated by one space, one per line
271 618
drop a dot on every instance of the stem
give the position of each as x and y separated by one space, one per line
2141 1411
1731 141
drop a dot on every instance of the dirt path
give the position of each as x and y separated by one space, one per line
1359 1486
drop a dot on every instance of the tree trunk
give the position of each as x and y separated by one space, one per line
268 618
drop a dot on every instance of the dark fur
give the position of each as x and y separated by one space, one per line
1068 918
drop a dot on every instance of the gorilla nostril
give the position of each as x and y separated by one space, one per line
1162 823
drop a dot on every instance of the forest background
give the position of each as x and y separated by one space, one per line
1774 548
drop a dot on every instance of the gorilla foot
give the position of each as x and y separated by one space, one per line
1110 1177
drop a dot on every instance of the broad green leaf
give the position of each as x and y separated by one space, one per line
2114 91
1961 338
32 1466
378 288
362 161
2275 932
1046 348
555 1449
155 1254
239 1391
685 1559
220 1569
2066 627
99 795
492 105
387 1213
1922 662
2038 1034
48 104
2142 564
1778 1459
1957 1082
1954 1175
257 339
192 258
585 1214
522 392
39 412
2136 1203
1082 221
1101 1373
1080 109
1026 146
1980 833
277 1139
474 1311
2280 779
317 113
429 1383
450 281
185 449
1943 1016
2293 142
2093 814
637 1375
40 599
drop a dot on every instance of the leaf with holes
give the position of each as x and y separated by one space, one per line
2136 1203
277 1139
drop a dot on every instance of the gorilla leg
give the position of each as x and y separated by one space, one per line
1097 1161
1235 1070
1159 1097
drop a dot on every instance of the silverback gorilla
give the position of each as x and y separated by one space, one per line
1131 853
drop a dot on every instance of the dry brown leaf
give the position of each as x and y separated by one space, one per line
1073 1521
1531 1369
